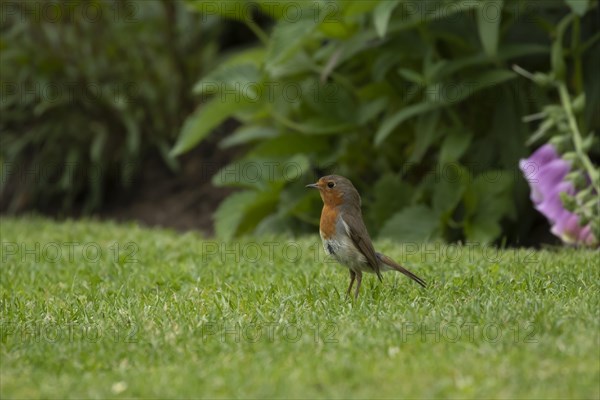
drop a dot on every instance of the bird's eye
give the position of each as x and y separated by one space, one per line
330 185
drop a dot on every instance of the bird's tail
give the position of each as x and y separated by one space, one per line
397 267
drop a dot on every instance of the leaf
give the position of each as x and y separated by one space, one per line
275 224
449 189
485 193
252 55
336 28
246 134
241 212
504 52
289 144
164 148
392 122
426 133
513 50
449 67
432 67
98 144
287 38
454 145
358 42
261 173
373 91
198 125
415 223
384 61
411 76
426 13
320 125
264 204
509 148
248 174
297 64
452 93
356 7
369 110
234 9
382 14
133 134
489 15
390 195
492 78
579 7
231 212
330 100
487 200
282 10
482 230
242 79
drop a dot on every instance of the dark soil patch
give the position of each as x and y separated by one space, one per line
183 200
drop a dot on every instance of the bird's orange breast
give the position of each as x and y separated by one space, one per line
328 221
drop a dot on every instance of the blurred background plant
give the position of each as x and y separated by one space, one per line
416 102
427 106
565 183
89 90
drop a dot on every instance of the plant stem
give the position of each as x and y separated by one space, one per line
260 34
576 54
577 141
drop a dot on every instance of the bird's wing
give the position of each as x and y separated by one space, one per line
355 228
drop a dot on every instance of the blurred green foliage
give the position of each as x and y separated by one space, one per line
89 88
416 102
567 123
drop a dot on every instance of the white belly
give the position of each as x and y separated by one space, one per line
344 251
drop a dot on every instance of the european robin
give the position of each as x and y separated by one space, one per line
345 236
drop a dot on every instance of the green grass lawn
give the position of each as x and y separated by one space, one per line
101 310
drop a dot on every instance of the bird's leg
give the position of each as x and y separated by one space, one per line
358 282
352 277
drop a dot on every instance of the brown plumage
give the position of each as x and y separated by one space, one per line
345 236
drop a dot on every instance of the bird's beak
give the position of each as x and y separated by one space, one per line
313 185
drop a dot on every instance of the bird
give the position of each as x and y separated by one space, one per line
345 236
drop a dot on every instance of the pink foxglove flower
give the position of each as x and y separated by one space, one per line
546 171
